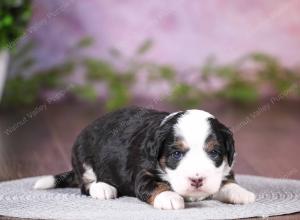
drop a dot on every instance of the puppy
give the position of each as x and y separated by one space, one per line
161 158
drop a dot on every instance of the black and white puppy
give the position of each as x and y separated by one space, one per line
161 158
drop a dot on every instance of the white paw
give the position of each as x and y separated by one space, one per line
233 193
102 191
168 200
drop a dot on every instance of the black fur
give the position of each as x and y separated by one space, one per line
66 179
124 149
124 155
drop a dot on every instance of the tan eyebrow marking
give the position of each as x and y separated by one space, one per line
211 144
182 145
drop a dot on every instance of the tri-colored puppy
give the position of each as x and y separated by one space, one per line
161 158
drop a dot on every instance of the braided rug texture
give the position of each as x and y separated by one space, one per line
18 199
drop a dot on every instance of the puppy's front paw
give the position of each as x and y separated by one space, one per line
103 191
235 194
168 200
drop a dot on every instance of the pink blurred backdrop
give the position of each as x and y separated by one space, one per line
184 32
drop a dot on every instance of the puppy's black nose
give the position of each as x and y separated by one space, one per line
196 182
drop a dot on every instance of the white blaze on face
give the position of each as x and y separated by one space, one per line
193 128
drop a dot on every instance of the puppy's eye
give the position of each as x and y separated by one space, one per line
177 155
214 154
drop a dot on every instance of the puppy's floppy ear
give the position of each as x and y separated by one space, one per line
226 139
158 136
229 145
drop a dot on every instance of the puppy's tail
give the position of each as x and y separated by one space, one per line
62 180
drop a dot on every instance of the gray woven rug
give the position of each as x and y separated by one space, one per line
18 199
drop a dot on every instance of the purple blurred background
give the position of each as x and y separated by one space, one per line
184 33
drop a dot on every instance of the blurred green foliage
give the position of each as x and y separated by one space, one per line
86 92
238 87
116 81
185 96
14 16
145 47
243 85
23 91
240 91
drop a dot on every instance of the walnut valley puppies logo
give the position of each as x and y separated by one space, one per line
25 119
43 22
265 108
37 110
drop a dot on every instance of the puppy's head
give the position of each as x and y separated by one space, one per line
197 152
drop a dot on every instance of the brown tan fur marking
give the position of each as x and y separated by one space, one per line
162 162
182 145
210 145
161 187
229 179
